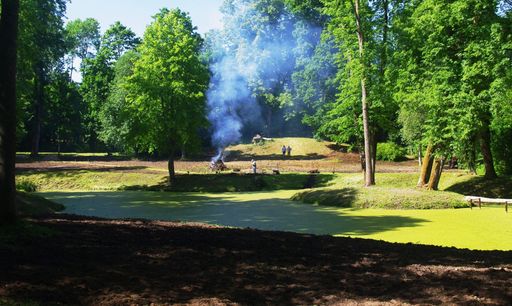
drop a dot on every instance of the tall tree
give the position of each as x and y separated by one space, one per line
83 39
116 124
167 89
8 36
352 28
98 76
41 47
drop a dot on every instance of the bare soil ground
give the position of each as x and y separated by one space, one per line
125 262
337 162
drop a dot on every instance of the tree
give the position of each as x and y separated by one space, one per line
8 36
83 40
41 47
166 93
114 116
452 58
348 18
98 76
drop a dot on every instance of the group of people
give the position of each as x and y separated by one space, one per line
286 150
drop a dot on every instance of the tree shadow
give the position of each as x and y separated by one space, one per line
97 261
479 186
236 182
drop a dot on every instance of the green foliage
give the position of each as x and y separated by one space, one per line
26 185
450 75
114 115
166 93
98 75
83 38
41 47
390 151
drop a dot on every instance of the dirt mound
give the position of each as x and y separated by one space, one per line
121 262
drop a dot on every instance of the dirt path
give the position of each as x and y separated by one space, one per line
107 262
344 163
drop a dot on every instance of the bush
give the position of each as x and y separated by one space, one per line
26 186
390 151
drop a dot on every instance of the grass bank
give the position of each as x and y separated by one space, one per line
98 180
393 191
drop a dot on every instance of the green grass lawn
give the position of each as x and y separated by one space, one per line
88 179
393 191
97 180
488 228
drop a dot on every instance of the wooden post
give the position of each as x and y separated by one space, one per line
480 203
506 206
471 204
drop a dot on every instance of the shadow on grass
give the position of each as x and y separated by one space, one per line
479 186
237 155
93 261
236 182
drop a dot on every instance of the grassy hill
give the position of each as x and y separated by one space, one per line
302 148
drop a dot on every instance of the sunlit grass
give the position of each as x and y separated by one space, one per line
300 146
393 190
488 228
89 179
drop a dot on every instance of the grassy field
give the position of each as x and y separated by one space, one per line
302 148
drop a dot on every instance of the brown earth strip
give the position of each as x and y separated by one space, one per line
121 262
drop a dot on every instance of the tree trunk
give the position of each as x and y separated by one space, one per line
384 50
369 177
485 147
38 111
8 36
183 153
427 161
472 161
435 175
170 168
374 155
419 156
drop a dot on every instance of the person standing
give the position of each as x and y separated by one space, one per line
253 166
283 150
289 151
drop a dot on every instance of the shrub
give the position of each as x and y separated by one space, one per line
26 186
390 151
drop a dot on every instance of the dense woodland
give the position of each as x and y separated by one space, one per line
432 76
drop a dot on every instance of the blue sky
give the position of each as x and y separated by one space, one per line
136 14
